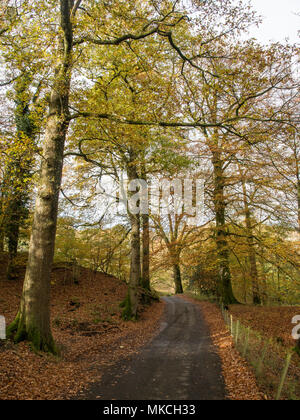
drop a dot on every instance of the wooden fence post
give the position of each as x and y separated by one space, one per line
237 332
283 376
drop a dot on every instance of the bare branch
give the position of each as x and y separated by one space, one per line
75 8
117 41
3 30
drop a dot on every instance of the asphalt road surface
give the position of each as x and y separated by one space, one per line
180 363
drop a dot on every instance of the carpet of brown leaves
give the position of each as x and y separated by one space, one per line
272 327
87 327
271 322
239 378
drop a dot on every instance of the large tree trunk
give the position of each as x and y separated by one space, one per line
177 279
33 320
131 303
135 266
224 274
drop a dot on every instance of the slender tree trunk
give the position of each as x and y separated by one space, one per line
2 221
145 279
251 247
33 320
278 279
1 241
131 303
224 274
177 279
264 274
13 238
146 245
135 265
253 270
13 232
146 253
298 201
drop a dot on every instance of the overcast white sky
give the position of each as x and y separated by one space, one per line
280 21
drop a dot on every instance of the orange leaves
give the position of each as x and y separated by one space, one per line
88 335
272 322
239 379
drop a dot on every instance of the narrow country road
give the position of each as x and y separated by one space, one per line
180 363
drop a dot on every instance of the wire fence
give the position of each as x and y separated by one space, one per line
277 369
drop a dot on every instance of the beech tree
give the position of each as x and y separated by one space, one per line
189 74
33 319
249 100
174 231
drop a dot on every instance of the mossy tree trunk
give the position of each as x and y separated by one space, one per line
19 169
33 320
